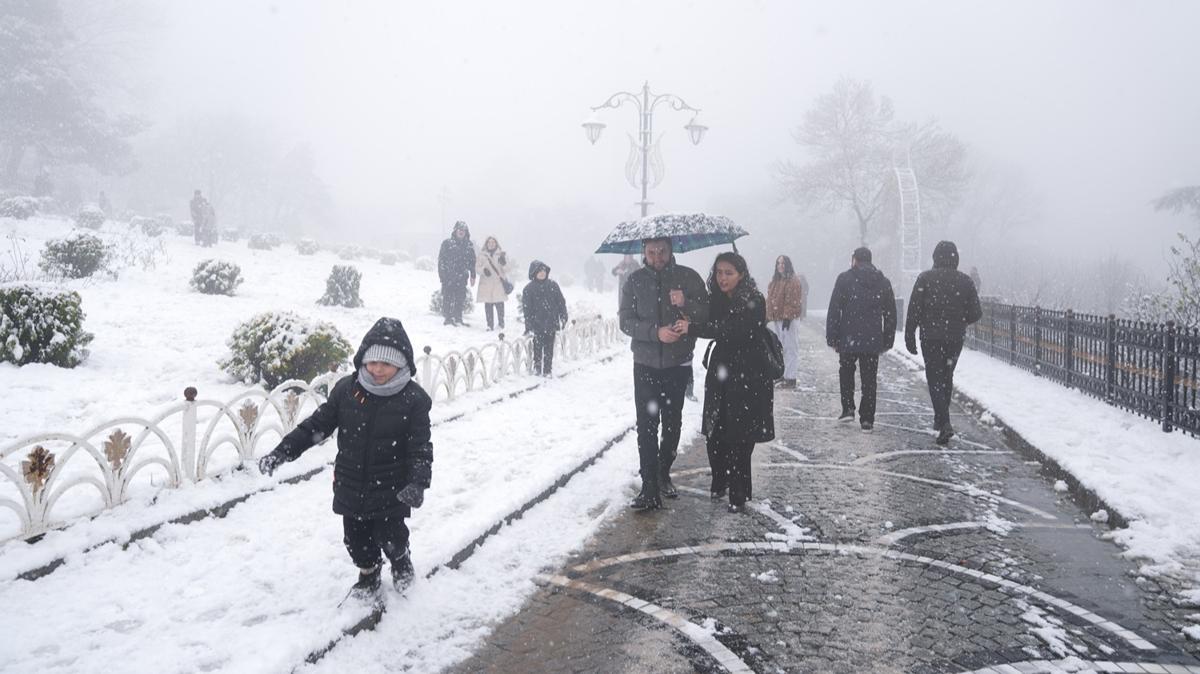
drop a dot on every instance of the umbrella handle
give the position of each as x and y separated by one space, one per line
734 244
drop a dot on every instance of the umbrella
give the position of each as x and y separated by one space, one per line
688 231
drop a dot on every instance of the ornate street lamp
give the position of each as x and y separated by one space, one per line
593 126
695 130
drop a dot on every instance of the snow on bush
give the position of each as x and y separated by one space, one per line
41 324
90 216
78 255
216 277
341 288
147 226
402 256
435 302
134 248
424 263
273 347
307 247
230 234
21 208
261 241
351 252
388 258
185 228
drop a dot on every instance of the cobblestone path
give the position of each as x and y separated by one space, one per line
862 552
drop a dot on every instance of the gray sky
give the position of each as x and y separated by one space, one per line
1097 102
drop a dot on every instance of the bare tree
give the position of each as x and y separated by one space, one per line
1179 200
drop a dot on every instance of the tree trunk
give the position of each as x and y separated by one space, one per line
16 153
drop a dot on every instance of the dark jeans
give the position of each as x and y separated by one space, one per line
498 307
940 359
730 462
453 297
658 395
365 538
869 365
543 353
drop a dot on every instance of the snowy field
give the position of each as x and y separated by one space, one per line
1149 476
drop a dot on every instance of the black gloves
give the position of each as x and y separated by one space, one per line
269 463
787 324
413 495
487 272
503 260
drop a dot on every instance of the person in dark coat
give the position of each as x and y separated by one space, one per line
456 267
738 394
545 311
944 302
204 220
860 325
653 301
385 458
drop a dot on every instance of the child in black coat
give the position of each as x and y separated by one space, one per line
545 311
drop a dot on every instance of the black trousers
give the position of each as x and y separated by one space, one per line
498 307
868 364
543 353
941 357
453 297
365 538
658 396
730 463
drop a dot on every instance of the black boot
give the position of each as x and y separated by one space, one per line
666 487
945 434
367 586
402 572
645 502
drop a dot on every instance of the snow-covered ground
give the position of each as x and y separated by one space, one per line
1150 477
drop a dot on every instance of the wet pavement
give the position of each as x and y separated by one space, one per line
862 552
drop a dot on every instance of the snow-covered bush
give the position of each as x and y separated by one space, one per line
403 256
273 347
134 248
148 226
341 288
216 277
307 247
351 252
261 241
21 208
566 280
230 234
372 253
435 302
186 228
41 324
90 216
78 255
424 263
387 257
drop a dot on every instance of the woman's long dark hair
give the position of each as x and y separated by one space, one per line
788 270
739 264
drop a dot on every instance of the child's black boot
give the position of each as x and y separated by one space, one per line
368 583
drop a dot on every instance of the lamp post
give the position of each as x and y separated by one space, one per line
643 151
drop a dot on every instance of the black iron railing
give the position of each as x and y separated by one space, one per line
1150 369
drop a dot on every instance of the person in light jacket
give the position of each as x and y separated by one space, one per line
491 266
785 306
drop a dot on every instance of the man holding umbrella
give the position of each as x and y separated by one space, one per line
655 300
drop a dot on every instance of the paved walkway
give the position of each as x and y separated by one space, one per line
876 552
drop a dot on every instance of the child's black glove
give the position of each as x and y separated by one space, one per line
413 495
269 463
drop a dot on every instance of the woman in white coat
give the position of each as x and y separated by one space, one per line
491 265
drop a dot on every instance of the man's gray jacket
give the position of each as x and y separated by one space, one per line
646 306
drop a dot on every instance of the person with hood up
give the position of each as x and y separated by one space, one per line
456 266
785 299
492 268
739 396
545 311
385 458
860 325
944 302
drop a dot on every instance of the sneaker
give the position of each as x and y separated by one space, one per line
667 488
645 503
945 434
867 426
846 416
367 586
402 573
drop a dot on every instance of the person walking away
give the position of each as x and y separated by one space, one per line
738 394
545 311
860 325
627 266
975 278
944 302
784 306
803 295
593 270
200 210
655 298
385 458
494 287
456 266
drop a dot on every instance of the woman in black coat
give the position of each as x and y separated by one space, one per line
738 394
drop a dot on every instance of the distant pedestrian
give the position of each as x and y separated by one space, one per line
627 266
384 461
785 304
860 325
944 302
545 311
738 394
655 298
803 295
593 271
494 286
976 280
204 220
456 267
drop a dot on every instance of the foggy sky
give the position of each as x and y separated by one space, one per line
1097 102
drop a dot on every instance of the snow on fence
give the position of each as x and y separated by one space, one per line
197 439
1150 369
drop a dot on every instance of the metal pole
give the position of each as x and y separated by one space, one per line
646 117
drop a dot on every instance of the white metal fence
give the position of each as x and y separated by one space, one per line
45 478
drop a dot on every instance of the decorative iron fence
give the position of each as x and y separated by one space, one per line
1150 369
196 439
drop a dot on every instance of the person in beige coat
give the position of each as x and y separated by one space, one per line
492 267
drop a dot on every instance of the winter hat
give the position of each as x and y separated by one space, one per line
382 353
945 255
862 254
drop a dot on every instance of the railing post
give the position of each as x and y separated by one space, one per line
1037 341
1069 348
427 370
187 444
1012 334
501 358
1110 357
992 329
1170 364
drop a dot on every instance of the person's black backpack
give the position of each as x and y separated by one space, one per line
772 353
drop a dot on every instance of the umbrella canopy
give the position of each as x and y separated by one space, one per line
688 231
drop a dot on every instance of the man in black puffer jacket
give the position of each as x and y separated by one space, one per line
944 302
385 457
456 267
860 325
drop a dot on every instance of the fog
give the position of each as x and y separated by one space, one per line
420 114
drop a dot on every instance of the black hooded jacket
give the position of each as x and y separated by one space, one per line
862 312
944 300
542 302
456 260
383 441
